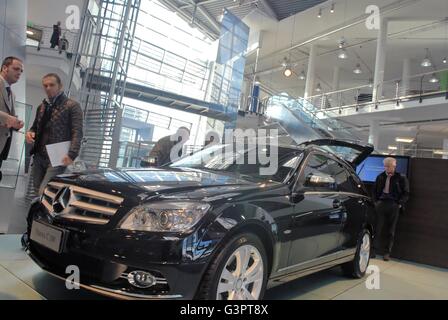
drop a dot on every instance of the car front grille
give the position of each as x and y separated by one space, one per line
79 203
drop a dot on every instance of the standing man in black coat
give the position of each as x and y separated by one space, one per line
54 41
390 193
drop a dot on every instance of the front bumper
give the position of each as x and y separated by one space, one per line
105 257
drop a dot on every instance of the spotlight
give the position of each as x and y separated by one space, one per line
444 60
287 72
332 8
302 75
426 62
357 69
318 88
319 15
342 54
433 78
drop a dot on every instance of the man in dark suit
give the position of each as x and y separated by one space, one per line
390 193
10 73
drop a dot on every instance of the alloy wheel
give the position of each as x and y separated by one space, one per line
242 275
364 253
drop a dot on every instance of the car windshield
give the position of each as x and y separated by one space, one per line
247 163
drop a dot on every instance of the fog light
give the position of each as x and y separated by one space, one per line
141 279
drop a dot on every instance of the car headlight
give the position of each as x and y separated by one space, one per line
165 217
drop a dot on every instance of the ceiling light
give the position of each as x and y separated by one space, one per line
332 8
302 75
442 152
342 54
357 69
29 32
426 62
444 60
405 140
433 78
287 72
319 15
318 88
392 147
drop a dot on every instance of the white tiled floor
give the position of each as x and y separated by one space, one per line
22 279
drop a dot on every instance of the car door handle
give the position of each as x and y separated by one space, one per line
337 203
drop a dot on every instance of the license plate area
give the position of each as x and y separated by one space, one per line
50 237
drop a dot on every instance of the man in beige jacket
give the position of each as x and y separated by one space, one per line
11 70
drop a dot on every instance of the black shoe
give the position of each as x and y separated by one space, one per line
24 241
386 257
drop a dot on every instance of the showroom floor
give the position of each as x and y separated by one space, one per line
22 279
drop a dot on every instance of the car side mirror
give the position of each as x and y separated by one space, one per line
319 181
297 197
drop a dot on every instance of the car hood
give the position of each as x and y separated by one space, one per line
178 183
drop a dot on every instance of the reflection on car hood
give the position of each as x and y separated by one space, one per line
161 181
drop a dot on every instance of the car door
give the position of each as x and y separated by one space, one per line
318 212
356 202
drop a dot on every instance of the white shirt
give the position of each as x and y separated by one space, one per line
7 85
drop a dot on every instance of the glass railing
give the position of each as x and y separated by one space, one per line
131 154
156 119
312 117
418 87
39 36
17 160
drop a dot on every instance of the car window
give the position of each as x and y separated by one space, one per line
215 158
319 173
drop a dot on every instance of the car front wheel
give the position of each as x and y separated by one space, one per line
238 272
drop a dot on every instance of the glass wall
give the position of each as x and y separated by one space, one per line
168 54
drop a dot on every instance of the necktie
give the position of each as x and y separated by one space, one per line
8 89
386 187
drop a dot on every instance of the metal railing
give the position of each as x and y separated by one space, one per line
418 86
42 39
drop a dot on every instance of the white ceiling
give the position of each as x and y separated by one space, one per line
411 29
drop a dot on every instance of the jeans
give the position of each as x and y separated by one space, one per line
43 172
387 212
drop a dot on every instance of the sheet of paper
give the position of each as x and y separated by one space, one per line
57 151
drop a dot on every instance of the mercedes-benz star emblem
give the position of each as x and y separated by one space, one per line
61 200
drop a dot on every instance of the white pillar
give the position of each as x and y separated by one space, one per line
445 148
374 132
310 75
380 61
335 86
406 77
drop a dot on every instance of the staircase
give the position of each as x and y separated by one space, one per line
101 126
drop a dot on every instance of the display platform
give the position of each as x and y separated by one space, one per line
21 278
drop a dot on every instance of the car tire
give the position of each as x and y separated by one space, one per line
225 265
358 267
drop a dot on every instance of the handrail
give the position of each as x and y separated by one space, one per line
47 32
384 82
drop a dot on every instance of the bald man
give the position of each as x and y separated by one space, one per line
390 193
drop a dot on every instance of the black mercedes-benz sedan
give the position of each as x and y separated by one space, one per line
200 228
